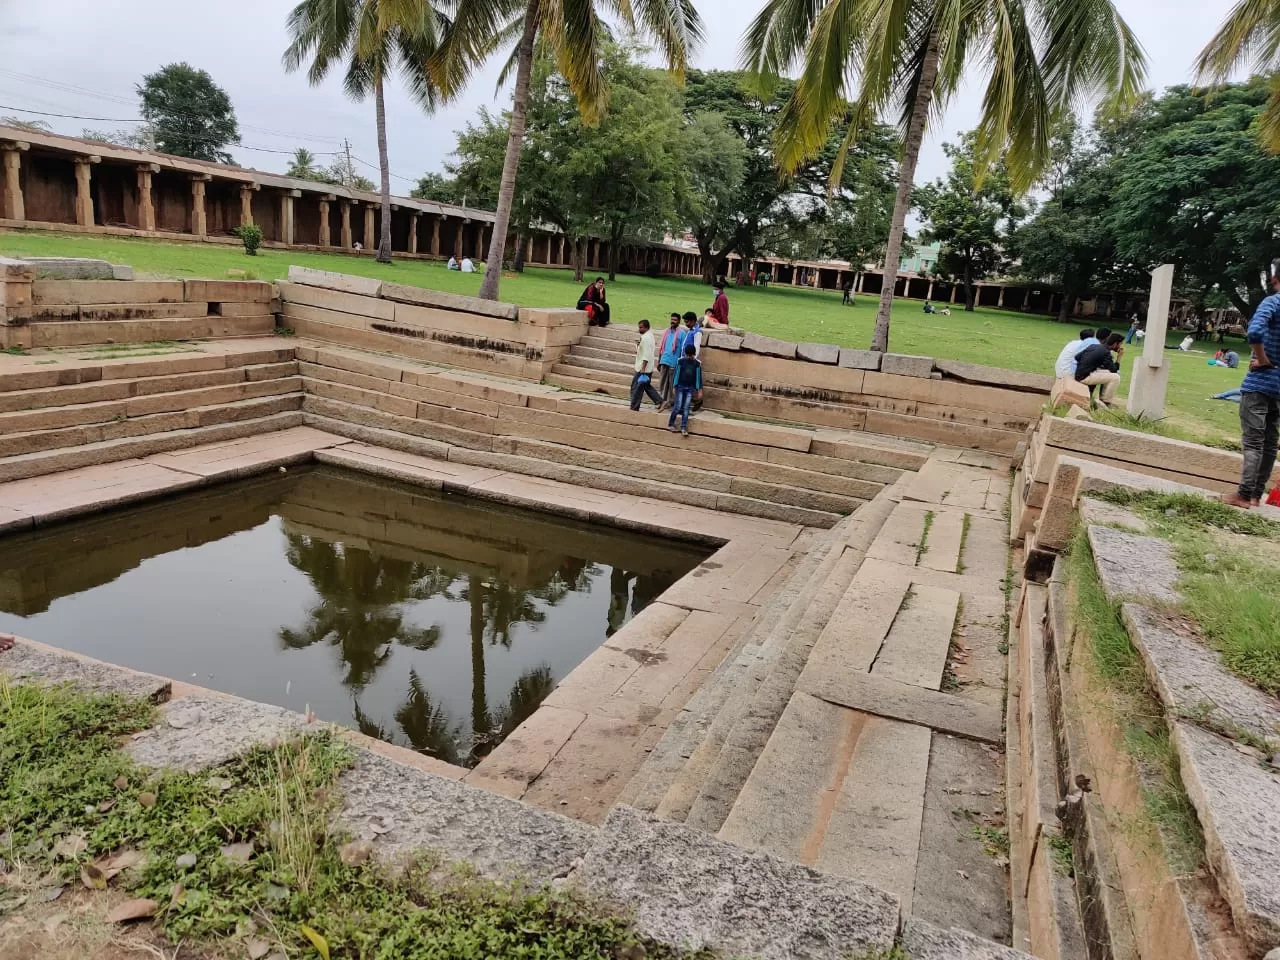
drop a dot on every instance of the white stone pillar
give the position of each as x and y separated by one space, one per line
1150 372
13 207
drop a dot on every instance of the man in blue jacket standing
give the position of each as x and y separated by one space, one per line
1260 400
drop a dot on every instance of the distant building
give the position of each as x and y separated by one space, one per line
925 260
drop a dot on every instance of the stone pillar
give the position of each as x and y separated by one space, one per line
795 275
325 239
1000 302
457 239
1150 378
929 293
595 255
286 215
199 216
344 237
413 230
480 230
13 206
370 235
560 250
84 198
954 288
435 234
146 206
246 204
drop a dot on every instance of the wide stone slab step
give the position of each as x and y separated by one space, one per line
83 332
620 366
566 368
691 890
584 385
108 451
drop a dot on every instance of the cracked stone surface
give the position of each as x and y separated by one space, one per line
1131 565
1194 683
689 889
399 809
203 730
924 941
28 661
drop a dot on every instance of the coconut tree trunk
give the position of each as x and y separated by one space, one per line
384 168
511 163
906 179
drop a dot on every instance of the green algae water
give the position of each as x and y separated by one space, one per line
431 621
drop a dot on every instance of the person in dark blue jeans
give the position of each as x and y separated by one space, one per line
1260 401
688 384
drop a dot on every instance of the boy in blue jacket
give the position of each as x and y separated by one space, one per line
688 383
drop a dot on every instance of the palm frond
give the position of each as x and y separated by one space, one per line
776 37
573 32
673 24
470 39
1089 51
1249 35
1016 116
1269 119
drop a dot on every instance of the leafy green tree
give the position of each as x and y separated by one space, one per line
1193 187
190 115
971 219
372 39
573 34
1250 36
860 59
442 189
715 166
303 166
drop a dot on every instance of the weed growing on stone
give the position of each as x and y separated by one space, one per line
924 536
1118 667
246 851
994 840
1060 852
1190 510
15 351
964 539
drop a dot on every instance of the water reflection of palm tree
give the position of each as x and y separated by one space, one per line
357 613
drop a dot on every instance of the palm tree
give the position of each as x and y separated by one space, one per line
303 165
572 32
1250 34
373 38
1043 58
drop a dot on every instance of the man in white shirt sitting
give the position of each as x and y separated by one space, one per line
1066 362
468 266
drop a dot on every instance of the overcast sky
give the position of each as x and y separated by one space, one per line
82 57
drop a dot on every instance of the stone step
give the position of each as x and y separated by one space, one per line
582 385
422 438
125 388
106 411
36 372
600 350
38 441
568 369
57 460
624 367
704 477
615 333
841 791
682 738
81 333
711 784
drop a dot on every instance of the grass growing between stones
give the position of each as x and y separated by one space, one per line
1117 668
245 852
1115 417
1229 582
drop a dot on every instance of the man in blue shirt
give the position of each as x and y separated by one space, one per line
1260 400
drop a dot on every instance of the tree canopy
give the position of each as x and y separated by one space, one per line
190 115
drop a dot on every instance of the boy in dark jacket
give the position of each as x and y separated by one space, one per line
688 382
1099 366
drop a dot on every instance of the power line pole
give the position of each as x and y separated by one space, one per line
348 172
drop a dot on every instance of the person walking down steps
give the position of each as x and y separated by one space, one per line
688 384
642 382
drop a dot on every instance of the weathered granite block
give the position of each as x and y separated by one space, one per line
400 809
1238 804
72 268
995 376
923 941
27 661
344 282
121 271
689 889
1192 680
404 293
860 359
906 365
768 346
1130 565
818 352
724 341
204 730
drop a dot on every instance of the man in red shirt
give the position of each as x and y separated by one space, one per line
721 306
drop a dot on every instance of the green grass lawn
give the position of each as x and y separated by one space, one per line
996 337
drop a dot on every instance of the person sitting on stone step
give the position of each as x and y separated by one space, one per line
1099 366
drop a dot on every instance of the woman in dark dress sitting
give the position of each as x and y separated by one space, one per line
593 296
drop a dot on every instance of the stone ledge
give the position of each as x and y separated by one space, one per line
404 293
691 890
1130 565
924 941
1238 804
769 346
28 660
1192 681
859 359
906 365
817 353
994 376
343 282
205 730
400 809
